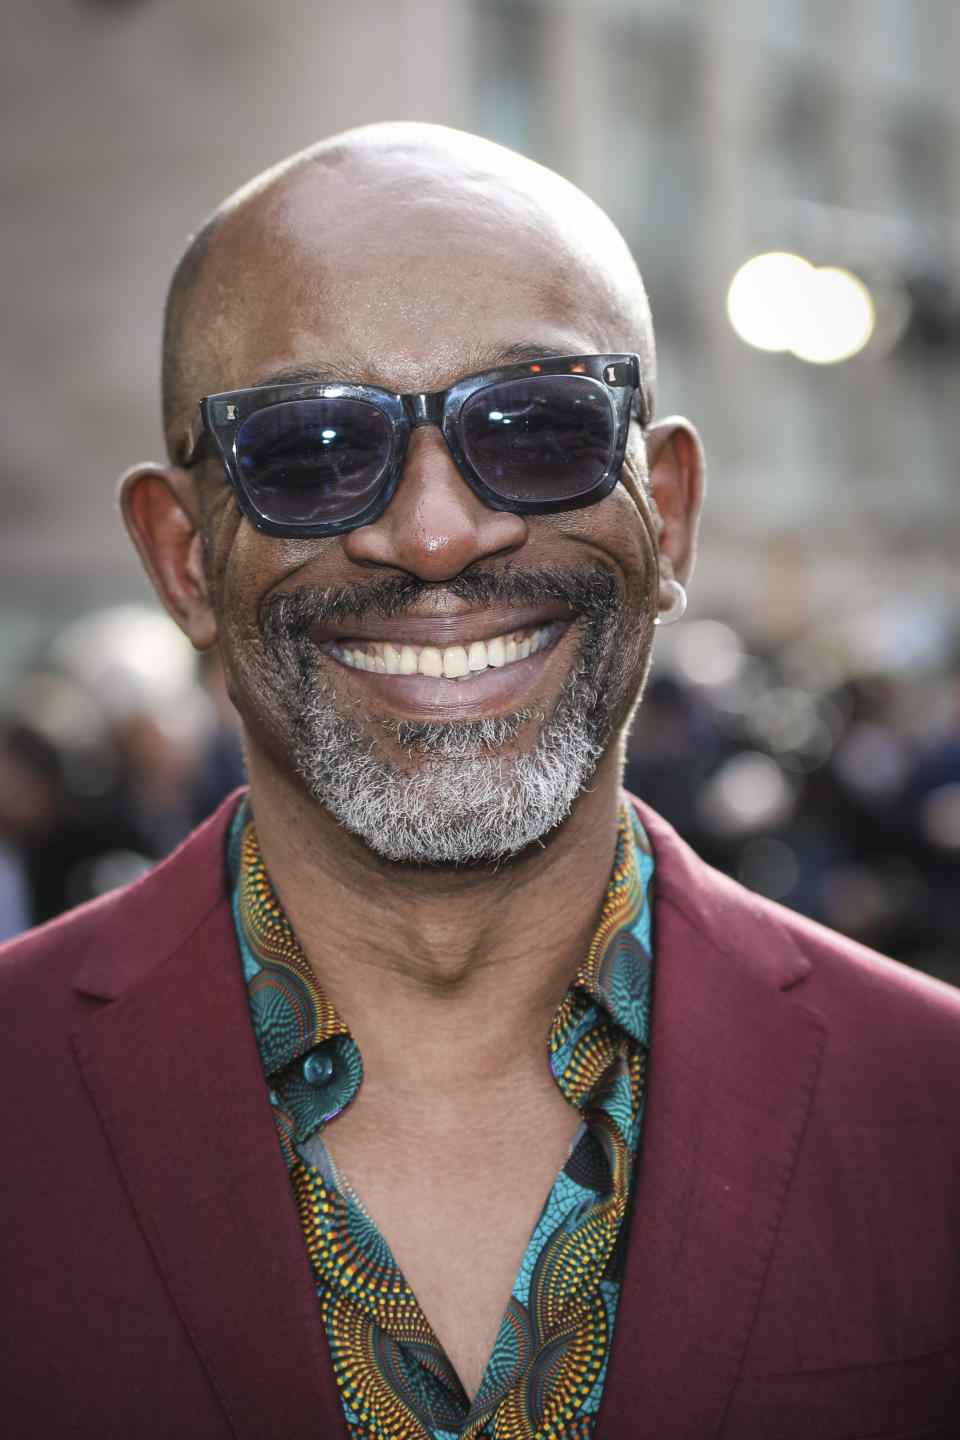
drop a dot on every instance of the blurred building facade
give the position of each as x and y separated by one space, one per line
710 129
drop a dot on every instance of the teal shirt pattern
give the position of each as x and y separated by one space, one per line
545 1378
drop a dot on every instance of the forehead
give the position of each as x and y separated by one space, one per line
400 274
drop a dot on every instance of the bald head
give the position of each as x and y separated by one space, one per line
396 240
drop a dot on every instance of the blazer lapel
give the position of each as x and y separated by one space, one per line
172 1067
733 1063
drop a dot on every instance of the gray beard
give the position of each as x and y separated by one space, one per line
461 796
462 799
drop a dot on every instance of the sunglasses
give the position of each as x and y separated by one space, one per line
532 438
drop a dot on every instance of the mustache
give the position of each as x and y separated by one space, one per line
592 592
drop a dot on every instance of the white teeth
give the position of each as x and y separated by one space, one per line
455 662
431 661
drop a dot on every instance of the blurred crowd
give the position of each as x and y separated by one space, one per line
825 775
113 745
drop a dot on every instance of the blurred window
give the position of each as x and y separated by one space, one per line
794 155
510 40
652 69
921 163
670 10
790 26
898 42
646 119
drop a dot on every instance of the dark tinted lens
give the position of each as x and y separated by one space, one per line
313 462
549 437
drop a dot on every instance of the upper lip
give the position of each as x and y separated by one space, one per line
416 628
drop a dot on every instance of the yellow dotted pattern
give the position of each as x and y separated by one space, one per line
372 1318
271 940
622 902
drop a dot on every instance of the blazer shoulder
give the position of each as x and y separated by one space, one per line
103 946
850 984
874 992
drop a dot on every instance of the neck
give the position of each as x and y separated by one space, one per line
404 952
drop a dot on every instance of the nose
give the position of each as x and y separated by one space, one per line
434 526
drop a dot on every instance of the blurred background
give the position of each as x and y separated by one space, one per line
802 725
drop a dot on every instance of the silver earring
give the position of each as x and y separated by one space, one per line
678 603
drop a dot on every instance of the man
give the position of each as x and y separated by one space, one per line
330 1125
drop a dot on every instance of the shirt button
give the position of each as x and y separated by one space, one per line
317 1069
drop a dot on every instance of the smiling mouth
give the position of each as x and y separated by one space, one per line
450 662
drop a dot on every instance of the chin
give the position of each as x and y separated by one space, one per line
455 793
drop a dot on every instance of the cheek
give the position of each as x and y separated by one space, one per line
247 567
250 567
238 597
630 529
634 477
622 529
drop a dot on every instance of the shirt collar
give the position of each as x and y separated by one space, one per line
616 972
290 1010
291 1013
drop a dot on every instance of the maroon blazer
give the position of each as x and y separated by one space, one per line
794 1252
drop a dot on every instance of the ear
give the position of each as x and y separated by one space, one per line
677 473
161 512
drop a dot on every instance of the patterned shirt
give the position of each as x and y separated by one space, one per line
545 1376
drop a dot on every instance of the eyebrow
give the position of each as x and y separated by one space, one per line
338 373
326 373
519 354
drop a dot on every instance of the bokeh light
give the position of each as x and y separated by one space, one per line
940 817
780 302
768 866
764 298
707 652
749 793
